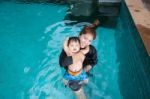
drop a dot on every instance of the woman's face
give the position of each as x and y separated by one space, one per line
86 39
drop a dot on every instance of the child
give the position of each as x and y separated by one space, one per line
75 71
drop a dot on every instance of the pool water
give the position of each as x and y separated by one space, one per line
31 38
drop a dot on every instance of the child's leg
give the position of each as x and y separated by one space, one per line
84 78
85 81
65 81
80 94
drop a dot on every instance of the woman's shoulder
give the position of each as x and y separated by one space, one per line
92 49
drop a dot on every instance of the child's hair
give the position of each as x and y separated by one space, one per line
90 29
75 39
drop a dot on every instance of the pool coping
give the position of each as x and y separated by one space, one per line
138 9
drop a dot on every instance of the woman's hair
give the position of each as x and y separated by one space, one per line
74 39
90 29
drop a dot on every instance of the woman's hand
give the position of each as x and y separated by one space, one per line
87 68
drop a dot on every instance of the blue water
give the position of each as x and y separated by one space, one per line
31 38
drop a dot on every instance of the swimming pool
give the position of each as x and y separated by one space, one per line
31 38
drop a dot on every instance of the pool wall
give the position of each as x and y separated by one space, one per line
140 12
134 68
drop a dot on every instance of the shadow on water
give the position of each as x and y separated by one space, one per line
134 68
105 21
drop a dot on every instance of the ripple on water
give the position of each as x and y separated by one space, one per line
48 81
26 69
104 85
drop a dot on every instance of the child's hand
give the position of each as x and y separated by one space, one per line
87 68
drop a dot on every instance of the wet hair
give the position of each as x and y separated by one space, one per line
90 29
75 39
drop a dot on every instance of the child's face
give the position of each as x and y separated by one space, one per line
74 46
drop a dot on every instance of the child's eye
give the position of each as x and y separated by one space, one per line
71 45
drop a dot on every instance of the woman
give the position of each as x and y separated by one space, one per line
86 36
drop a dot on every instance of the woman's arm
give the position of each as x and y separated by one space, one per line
65 60
91 59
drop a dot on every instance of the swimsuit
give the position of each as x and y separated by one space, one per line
75 79
75 76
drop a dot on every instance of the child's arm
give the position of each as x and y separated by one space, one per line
65 45
66 49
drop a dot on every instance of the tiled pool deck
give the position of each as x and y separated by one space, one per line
140 11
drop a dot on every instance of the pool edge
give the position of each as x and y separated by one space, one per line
137 10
